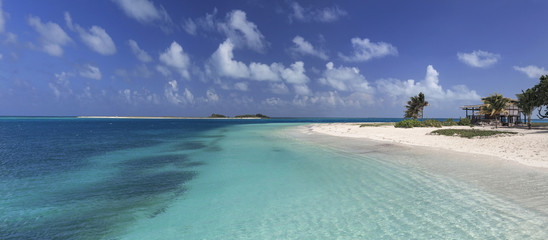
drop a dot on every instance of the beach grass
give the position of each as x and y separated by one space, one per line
379 124
469 133
539 124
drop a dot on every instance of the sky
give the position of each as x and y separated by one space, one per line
279 58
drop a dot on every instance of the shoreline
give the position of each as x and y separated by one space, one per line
527 147
511 180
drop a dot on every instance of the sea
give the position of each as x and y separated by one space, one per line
72 178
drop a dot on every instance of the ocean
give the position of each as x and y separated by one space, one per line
69 178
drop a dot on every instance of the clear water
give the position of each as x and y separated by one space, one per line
204 179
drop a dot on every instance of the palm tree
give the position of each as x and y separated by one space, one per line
415 106
495 105
526 102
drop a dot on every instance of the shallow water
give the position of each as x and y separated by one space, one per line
226 180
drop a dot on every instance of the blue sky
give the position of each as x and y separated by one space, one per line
279 58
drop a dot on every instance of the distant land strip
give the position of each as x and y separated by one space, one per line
163 117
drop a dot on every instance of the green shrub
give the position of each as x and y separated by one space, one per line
469 133
408 123
449 122
464 122
431 123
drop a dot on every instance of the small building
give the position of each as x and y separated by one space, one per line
473 112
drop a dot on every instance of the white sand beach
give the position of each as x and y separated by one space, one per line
528 147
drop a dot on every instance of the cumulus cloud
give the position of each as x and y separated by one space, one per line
263 72
171 92
175 57
143 11
91 72
222 64
430 86
242 32
478 58
345 79
139 53
328 14
305 48
532 71
365 50
235 26
295 75
96 38
52 37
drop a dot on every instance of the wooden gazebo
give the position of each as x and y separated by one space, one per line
473 112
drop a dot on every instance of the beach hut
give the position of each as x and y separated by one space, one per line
513 116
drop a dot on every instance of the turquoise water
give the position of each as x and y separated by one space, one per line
159 179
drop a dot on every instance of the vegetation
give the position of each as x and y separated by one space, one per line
449 122
415 107
464 122
411 123
376 124
539 96
431 123
527 104
258 115
408 123
495 105
214 115
469 133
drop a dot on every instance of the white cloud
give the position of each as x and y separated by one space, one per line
430 86
171 92
278 88
345 79
328 14
52 36
91 72
1 56
143 11
479 58
242 32
207 23
222 64
136 97
212 96
305 48
163 70
263 72
365 50
295 75
222 60
532 71
175 57
61 84
139 53
241 86
96 38
2 19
